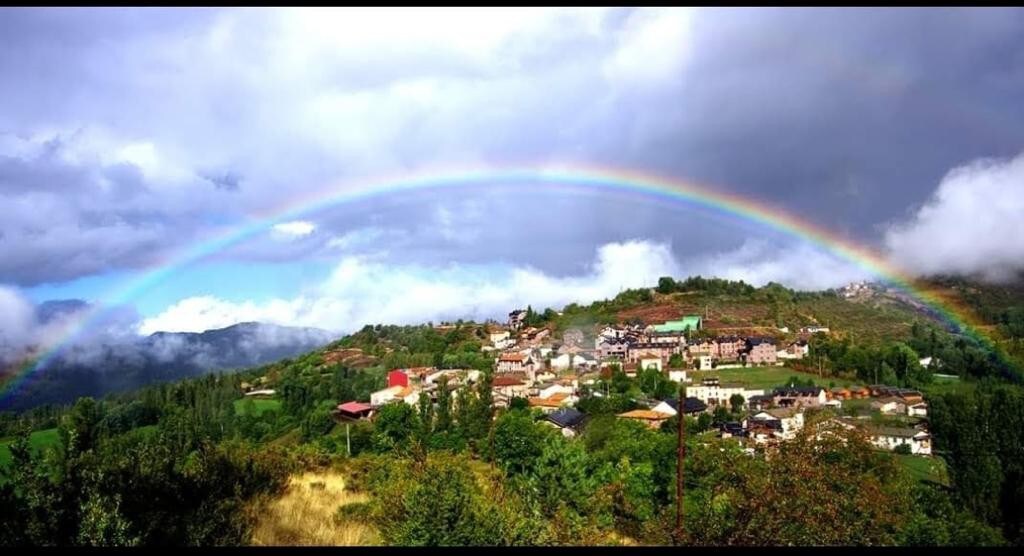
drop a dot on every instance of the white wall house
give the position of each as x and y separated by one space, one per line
677 375
384 396
918 410
647 362
888 438
501 340
549 391
889 406
720 394
792 419
569 361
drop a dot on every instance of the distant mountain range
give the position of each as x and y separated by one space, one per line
96 370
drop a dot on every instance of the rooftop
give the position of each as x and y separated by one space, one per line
354 407
566 417
645 414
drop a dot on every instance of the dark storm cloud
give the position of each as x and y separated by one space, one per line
118 121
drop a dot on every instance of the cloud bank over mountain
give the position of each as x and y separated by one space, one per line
972 224
361 291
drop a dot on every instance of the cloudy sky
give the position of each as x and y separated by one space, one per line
130 137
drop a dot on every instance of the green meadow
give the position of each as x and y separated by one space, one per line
764 377
38 440
258 407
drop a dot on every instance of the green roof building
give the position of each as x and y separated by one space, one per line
690 321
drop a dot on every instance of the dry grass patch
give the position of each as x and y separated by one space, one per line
307 515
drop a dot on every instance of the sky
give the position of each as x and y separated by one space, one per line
131 136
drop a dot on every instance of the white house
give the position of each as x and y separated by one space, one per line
501 339
548 391
406 394
918 410
712 393
704 363
791 419
890 405
648 362
384 396
569 361
677 375
888 438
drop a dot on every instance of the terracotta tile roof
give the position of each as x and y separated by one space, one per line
511 357
553 401
645 414
405 392
506 381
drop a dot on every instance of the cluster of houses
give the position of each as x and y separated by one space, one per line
531 349
406 386
530 365
781 415
633 343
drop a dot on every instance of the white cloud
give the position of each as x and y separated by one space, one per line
973 223
653 48
360 291
22 331
360 237
293 229
17 320
799 266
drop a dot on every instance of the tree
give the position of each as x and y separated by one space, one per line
318 422
443 420
666 285
79 431
751 501
394 425
720 415
650 380
443 504
518 441
425 409
737 401
887 375
620 382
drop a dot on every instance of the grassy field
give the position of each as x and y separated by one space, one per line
307 514
763 377
925 468
39 440
258 406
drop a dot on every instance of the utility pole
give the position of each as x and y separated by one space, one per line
680 455
348 439
491 436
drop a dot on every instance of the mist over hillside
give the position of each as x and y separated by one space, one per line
125 363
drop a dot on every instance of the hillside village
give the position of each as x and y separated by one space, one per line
570 416
553 374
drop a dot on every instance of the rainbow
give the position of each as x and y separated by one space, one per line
598 179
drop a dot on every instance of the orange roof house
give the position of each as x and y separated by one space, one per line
651 418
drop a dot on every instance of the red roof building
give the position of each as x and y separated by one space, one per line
398 377
506 381
354 410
